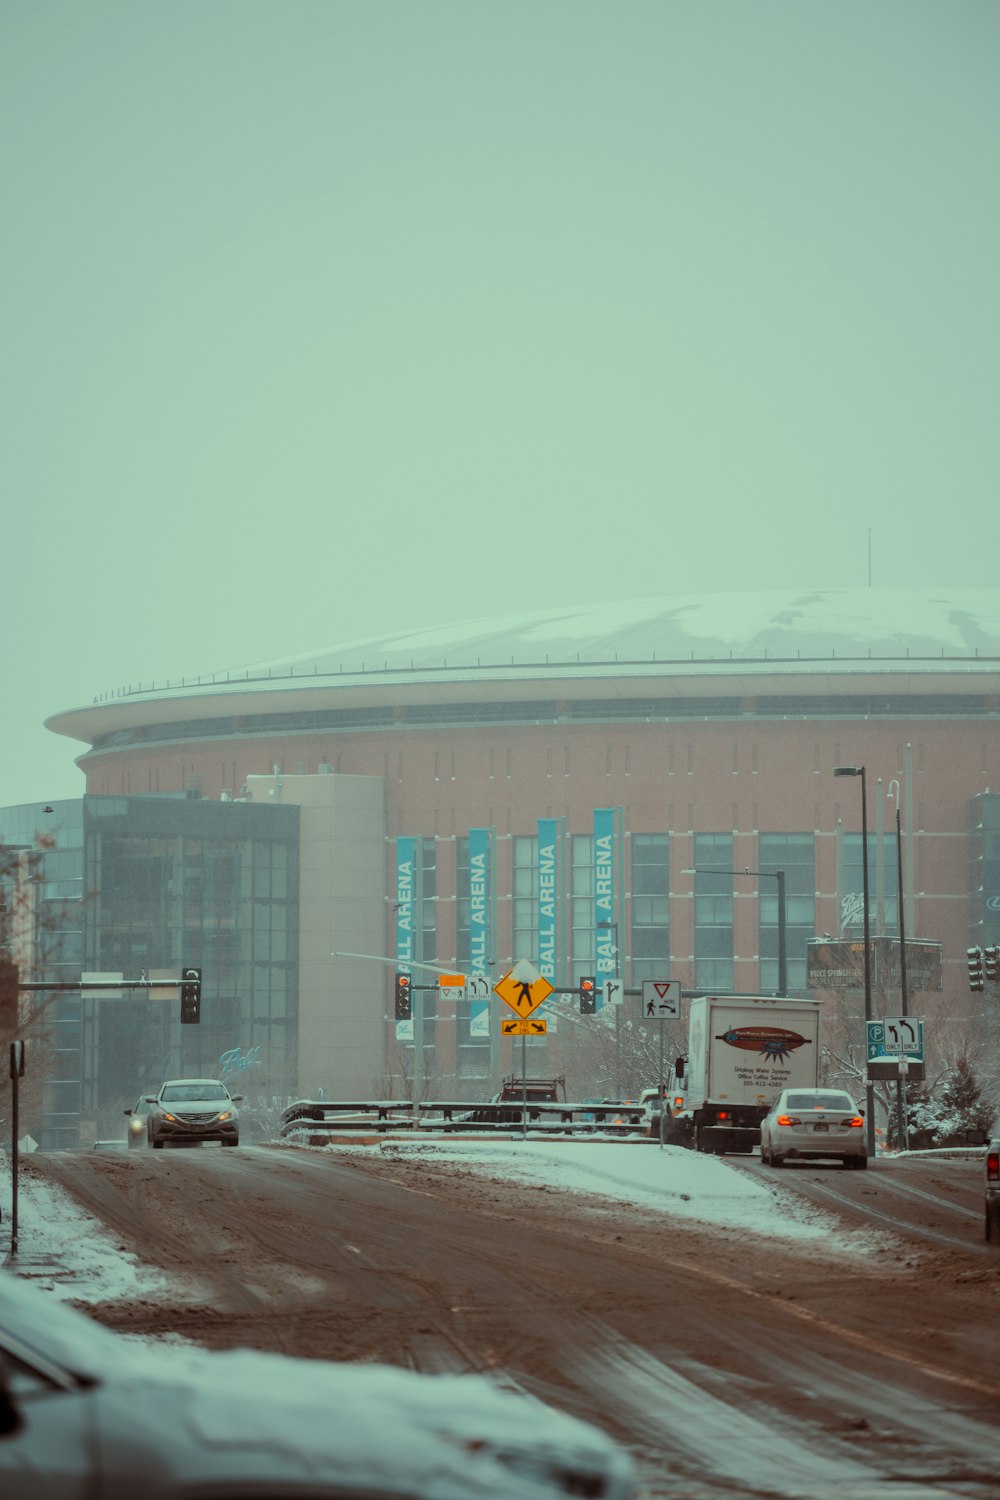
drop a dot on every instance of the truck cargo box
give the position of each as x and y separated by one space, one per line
742 1051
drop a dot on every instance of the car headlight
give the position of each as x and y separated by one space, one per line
166 1115
227 1114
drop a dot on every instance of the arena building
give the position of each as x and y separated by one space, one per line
632 791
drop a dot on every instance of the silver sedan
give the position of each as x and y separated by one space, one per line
188 1111
812 1124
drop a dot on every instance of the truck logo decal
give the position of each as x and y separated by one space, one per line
772 1042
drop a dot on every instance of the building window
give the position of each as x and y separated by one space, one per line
525 896
581 905
427 897
650 915
425 948
713 911
883 886
794 854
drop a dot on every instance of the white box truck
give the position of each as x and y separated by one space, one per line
742 1051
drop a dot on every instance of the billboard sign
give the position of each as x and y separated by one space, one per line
833 965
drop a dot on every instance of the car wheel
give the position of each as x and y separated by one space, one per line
156 1145
993 1223
860 1163
776 1161
232 1143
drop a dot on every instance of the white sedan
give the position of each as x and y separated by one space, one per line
87 1414
812 1124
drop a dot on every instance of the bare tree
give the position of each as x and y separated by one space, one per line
28 944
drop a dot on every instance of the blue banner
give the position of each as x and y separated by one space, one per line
548 896
480 844
406 856
605 957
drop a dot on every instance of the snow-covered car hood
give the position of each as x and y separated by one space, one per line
245 1415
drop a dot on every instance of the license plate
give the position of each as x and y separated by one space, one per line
821 1127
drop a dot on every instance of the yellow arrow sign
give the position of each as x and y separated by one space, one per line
523 988
514 1026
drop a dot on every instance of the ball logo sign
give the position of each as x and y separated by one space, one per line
772 1042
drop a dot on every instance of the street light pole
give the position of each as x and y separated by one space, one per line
779 876
901 1130
869 1086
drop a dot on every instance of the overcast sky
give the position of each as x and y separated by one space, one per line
325 316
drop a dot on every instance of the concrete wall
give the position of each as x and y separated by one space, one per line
342 896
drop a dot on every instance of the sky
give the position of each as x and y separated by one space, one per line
328 318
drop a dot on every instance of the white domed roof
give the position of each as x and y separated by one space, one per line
820 643
819 624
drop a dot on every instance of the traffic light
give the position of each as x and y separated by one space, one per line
975 958
404 998
190 997
991 960
588 996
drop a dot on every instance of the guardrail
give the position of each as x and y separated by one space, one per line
316 1118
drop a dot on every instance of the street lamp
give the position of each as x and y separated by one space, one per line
779 876
869 1086
903 997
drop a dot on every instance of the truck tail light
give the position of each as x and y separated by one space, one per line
993 1166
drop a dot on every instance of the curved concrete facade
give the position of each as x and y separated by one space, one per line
694 718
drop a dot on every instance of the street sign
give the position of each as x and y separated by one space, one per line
451 986
477 987
661 999
903 1034
523 988
515 1026
892 1040
166 984
896 1036
614 992
93 975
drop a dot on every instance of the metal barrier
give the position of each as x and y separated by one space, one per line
315 1118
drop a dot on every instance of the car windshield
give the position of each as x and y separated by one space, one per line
181 1093
819 1101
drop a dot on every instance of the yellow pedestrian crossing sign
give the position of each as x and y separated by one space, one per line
523 988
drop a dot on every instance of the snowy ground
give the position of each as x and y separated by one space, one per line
69 1253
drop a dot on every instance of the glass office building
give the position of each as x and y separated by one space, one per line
135 886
